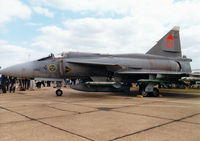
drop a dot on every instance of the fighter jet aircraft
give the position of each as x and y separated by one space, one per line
163 63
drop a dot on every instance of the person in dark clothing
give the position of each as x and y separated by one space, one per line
23 84
3 84
43 83
38 85
7 82
27 84
20 84
0 82
48 83
12 84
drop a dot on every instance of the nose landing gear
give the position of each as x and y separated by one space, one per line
59 92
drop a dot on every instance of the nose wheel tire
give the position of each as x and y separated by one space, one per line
59 92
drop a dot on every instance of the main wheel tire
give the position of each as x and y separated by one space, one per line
144 94
59 92
155 92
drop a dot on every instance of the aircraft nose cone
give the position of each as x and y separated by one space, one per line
21 70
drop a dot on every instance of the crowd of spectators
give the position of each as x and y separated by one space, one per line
10 84
7 84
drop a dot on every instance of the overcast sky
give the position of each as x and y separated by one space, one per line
35 28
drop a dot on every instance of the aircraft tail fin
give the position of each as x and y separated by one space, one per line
169 45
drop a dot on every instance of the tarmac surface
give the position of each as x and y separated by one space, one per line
41 115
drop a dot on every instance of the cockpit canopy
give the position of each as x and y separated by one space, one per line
51 56
80 54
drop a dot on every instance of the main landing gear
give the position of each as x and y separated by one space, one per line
148 90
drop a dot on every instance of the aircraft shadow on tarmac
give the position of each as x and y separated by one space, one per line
164 94
129 95
185 95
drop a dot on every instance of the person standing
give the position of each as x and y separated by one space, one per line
0 83
48 83
43 83
7 79
3 84
32 84
12 84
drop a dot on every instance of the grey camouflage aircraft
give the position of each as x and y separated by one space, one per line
162 64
